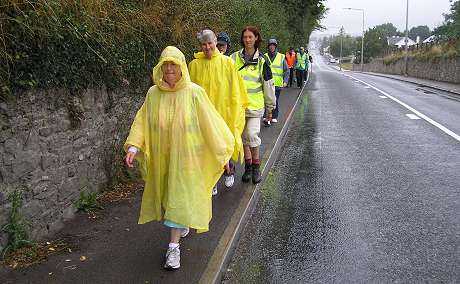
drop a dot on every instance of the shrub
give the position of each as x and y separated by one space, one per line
77 44
17 227
87 202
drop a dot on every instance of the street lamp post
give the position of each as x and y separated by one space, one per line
342 31
406 49
362 39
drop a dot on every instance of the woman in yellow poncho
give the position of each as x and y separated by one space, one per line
181 143
217 74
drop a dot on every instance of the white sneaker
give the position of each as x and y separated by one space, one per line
172 258
274 120
214 190
184 232
229 180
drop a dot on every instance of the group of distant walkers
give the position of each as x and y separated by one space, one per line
199 119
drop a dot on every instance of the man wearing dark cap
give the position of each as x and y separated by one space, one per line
280 71
223 43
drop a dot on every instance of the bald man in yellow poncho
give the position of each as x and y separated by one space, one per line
181 143
217 74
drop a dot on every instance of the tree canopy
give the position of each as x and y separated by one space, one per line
451 26
420 31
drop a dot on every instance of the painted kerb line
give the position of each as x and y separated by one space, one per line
419 114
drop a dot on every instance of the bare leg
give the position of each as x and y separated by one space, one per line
254 153
247 152
175 235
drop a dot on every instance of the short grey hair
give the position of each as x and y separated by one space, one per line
206 36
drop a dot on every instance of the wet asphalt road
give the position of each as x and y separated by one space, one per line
361 192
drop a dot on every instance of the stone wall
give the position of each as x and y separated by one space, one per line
445 70
54 144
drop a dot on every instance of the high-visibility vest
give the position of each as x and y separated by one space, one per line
277 69
253 80
301 61
290 59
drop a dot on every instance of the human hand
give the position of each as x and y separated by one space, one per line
129 159
227 167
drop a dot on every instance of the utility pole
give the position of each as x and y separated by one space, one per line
342 32
362 47
406 55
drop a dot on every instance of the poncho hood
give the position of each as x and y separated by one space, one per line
173 54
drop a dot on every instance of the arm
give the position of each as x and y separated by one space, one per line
285 72
269 88
135 140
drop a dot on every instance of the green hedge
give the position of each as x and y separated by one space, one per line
88 43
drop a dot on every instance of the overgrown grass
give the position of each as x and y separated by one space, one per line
433 53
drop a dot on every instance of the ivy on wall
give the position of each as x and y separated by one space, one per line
78 44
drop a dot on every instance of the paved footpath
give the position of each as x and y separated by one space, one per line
443 86
120 251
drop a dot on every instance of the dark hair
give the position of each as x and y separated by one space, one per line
256 33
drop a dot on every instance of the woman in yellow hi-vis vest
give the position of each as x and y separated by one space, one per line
258 79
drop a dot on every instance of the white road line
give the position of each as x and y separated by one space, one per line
421 115
383 97
412 116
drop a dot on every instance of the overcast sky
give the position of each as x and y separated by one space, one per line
421 12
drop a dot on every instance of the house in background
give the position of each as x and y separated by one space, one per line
431 39
400 41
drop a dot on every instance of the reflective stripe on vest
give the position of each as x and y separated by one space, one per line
253 80
301 61
277 69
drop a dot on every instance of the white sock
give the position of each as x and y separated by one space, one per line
173 245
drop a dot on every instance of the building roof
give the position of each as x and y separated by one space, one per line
399 40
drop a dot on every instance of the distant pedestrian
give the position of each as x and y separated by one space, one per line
225 88
280 71
291 61
301 67
258 80
181 143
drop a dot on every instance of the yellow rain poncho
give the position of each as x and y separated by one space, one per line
225 89
184 144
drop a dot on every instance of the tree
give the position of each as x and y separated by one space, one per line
347 41
451 26
420 31
375 40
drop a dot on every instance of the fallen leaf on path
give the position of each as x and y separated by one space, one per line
71 267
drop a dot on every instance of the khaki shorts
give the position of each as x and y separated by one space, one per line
251 132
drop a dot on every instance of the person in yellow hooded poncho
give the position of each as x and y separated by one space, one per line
182 144
217 74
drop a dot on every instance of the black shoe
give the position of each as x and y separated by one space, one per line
256 178
267 123
247 173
